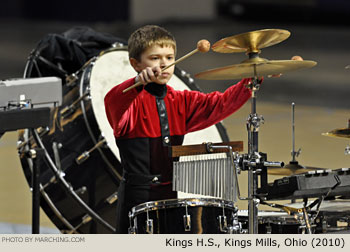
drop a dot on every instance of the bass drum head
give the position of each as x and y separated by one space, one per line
81 196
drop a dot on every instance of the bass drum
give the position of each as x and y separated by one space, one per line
81 173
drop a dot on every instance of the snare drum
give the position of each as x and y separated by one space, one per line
81 147
184 216
270 222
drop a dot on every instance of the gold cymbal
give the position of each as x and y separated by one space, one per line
342 133
292 168
246 69
250 41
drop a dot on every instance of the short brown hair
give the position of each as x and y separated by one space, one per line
147 36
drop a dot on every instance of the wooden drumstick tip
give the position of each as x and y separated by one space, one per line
203 45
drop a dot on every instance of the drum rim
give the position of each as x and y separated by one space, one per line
172 203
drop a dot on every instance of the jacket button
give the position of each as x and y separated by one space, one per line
166 139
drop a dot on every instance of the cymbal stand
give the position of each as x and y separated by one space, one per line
294 153
253 124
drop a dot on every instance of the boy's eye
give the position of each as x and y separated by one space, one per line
170 57
154 58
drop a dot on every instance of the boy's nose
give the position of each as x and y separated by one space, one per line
162 63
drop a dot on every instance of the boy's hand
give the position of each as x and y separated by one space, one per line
149 74
296 57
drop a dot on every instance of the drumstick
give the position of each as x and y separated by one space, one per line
202 46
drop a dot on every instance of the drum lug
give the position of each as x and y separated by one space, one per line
268 229
132 228
187 220
149 226
111 199
70 110
86 154
86 219
223 223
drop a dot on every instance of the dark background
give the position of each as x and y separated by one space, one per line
319 28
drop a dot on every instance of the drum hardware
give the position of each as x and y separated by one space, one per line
86 154
83 90
202 46
44 194
68 187
187 220
253 67
81 190
149 224
69 110
71 80
223 221
56 155
86 219
113 198
55 210
293 167
41 130
53 180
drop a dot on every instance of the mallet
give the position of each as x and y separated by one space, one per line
202 46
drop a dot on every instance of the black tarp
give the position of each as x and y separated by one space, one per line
63 54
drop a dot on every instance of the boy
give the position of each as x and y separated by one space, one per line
148 119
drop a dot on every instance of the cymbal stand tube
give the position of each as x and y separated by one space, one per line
253 124
293 132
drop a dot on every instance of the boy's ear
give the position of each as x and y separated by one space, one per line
135 64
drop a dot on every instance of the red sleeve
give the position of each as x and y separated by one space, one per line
117 103
204 110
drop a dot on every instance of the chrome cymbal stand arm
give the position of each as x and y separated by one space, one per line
294 153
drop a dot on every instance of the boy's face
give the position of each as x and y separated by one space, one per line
158 56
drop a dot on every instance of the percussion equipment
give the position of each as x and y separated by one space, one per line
184 216
254 67
341 132
311 184
82 170
211 175
333 216
259 65
250 41
270 222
